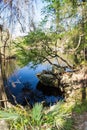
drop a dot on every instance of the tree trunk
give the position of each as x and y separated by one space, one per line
84 29
3 97
85 53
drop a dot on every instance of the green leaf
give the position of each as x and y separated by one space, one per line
8 116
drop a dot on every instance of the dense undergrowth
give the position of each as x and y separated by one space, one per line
57 117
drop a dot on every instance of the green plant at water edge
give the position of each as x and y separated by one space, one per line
17 117
37 114
20 118
8 115
57 117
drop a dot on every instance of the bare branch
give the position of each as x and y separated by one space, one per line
56 55
79 42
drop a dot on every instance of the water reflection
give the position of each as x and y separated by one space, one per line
24 86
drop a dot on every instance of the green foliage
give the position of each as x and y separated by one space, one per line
38 117
84 62
59 12
35 37
68 124
8 115
32 47
80 107
23 118
37 114
35 46
57 117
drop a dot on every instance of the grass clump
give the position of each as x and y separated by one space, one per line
60 116
37 114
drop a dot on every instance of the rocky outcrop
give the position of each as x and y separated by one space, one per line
48 79
66 80
74 80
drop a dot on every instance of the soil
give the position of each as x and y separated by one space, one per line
80 121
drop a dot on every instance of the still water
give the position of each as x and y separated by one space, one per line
25 88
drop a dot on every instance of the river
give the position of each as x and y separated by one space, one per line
23 87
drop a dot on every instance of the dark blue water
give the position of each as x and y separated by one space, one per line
24 87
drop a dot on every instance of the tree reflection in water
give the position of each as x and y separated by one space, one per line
24 87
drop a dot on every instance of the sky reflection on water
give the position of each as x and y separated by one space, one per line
23 84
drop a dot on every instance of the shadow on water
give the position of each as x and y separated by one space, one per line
47 90
29 96
23 87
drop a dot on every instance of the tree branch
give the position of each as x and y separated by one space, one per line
56 55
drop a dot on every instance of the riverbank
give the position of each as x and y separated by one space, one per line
70 114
